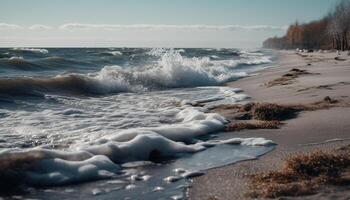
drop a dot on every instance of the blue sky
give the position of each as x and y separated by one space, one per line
49 16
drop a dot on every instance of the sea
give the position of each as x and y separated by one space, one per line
119 123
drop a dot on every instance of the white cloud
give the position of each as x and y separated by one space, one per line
39 27
4 26
142 27
111 27
147 35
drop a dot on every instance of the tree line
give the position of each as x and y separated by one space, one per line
331 32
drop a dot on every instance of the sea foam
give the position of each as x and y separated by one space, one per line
33 50
101 159
113 120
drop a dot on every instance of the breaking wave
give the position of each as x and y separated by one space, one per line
64 139
172 70
32 50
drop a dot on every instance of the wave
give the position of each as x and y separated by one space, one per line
32 50
171 71
18 63
111 53
60 62
47 63
115 53
72 83
103 158
18 58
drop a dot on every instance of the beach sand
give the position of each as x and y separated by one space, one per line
327 77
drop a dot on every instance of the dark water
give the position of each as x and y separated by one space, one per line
82 117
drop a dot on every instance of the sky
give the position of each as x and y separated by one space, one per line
151 23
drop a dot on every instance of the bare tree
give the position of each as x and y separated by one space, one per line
339 26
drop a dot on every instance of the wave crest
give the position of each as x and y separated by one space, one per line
32 50
170 70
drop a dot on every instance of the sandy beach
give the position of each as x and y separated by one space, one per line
328 74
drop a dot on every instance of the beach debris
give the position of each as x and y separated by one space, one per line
329 100
289 77
269 115
303 175
327 87
238 126
248 106
273 112
338 58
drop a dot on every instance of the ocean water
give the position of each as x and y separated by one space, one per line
118 122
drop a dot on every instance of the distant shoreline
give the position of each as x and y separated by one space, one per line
330 32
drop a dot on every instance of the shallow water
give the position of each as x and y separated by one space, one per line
155 187
90 114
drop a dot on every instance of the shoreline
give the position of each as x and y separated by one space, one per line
326 76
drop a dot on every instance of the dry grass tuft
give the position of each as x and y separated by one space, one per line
253 125
270 115
303 175
284 80
272 112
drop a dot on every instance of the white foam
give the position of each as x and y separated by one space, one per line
130 187
34 50
94 160
239 141
97 191
177 197
179 170
171 71
157 189
192 174
51 168
16 58
115 53
50 172
194 124
96 132
171 179
249 141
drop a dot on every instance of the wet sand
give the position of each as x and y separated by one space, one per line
326 76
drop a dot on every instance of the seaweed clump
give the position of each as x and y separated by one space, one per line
303 175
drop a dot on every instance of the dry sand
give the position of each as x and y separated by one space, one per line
329 77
